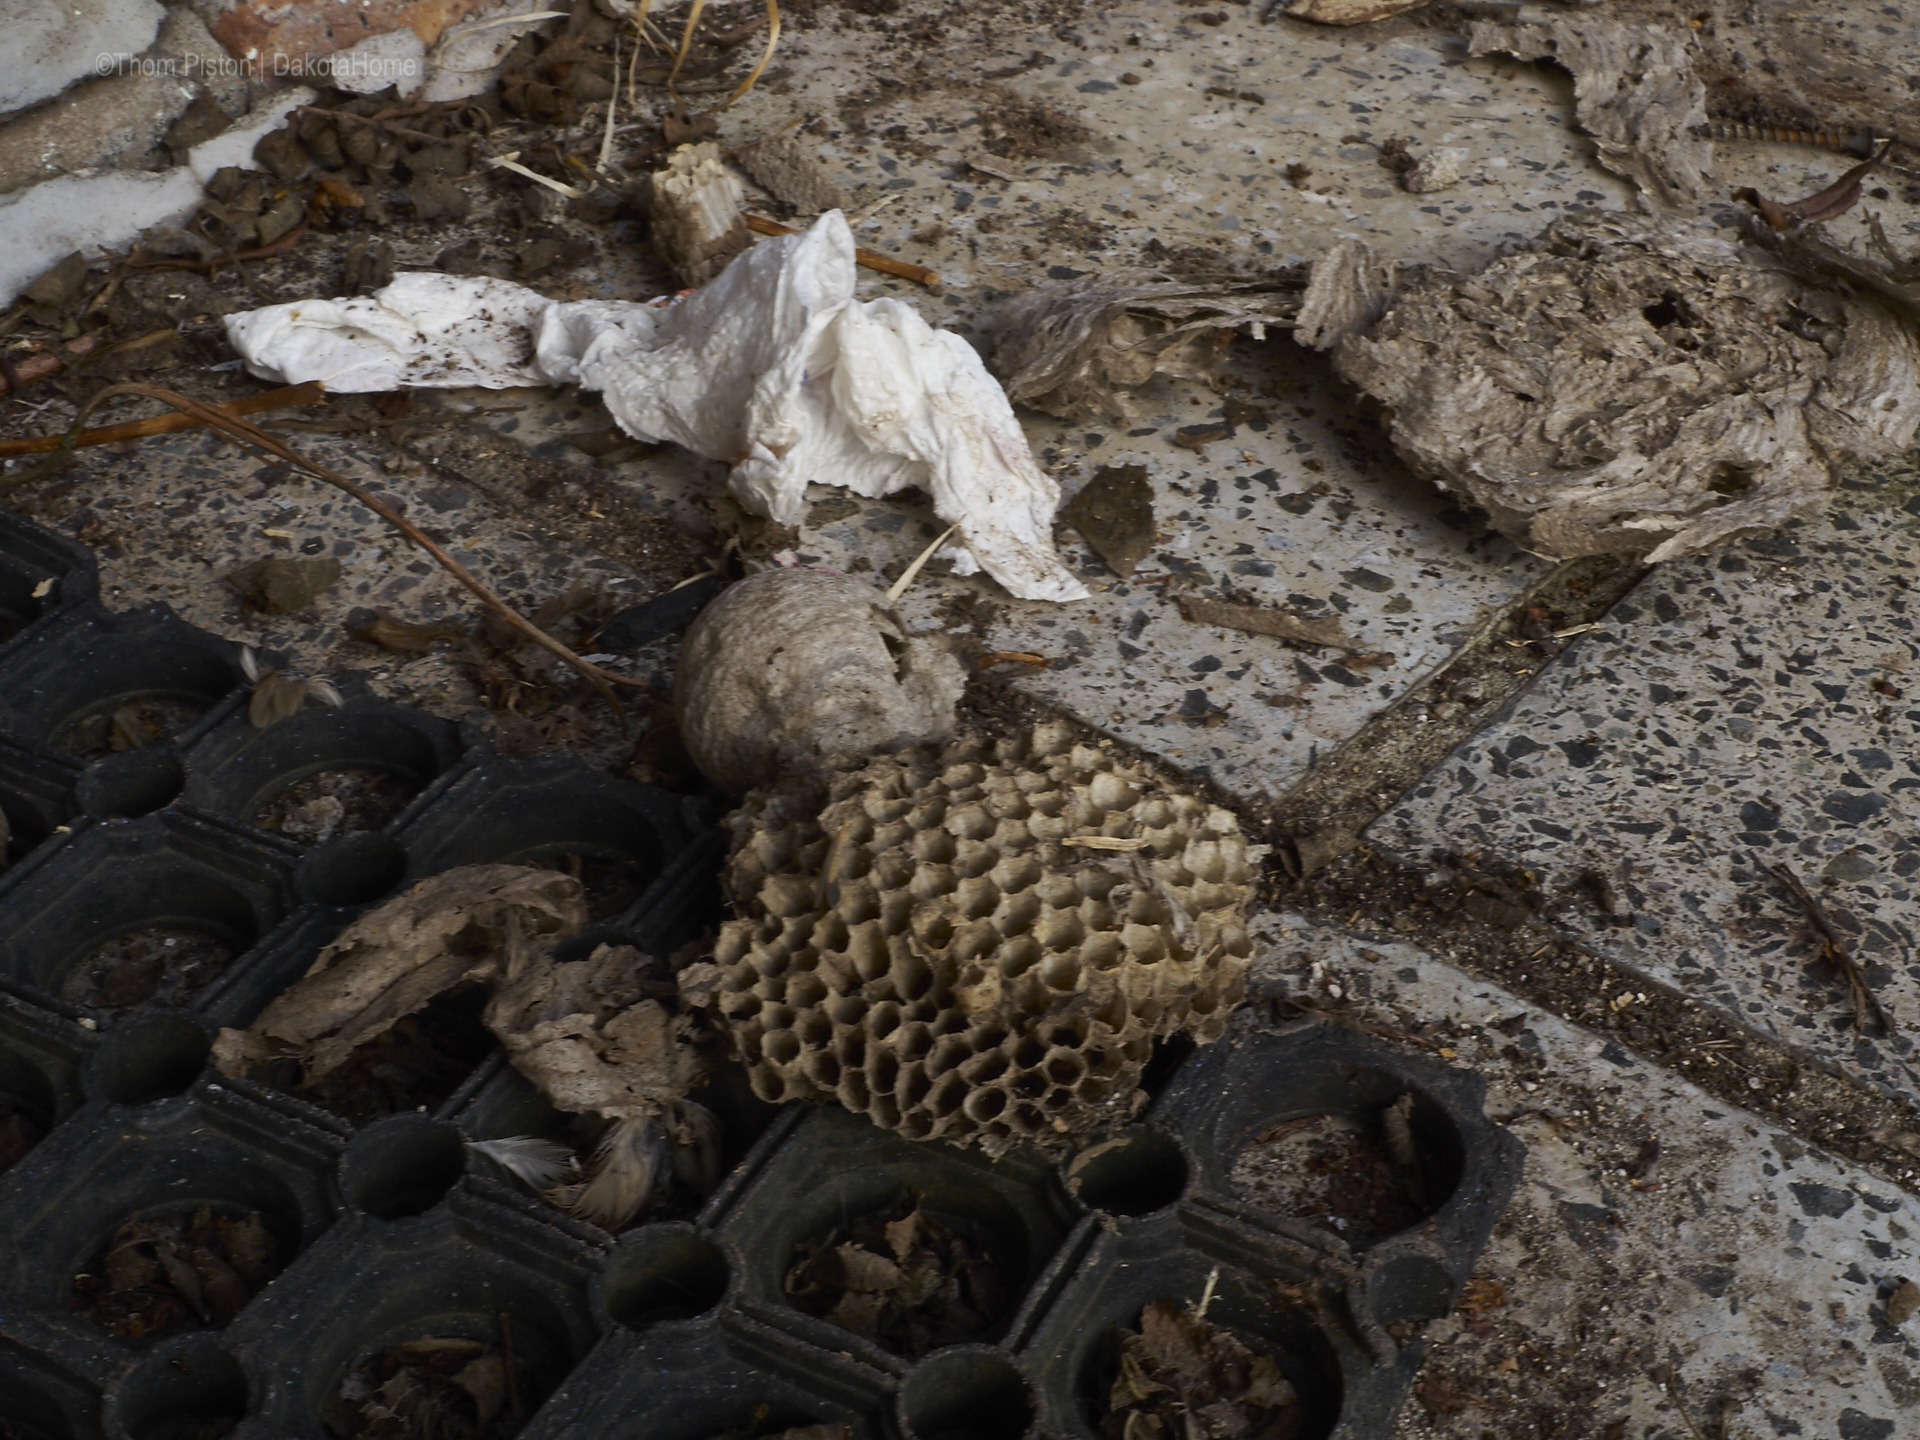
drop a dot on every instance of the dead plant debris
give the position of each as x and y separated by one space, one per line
436 1387
167 1274
161 962
1362 1182
1114 514
905 1278
1182 1377
463 927
1259 620
336 802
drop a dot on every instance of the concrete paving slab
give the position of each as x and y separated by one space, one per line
1665 1252
1741 710
1188 129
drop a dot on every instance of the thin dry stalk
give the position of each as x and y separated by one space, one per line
871 259
247 434
311 393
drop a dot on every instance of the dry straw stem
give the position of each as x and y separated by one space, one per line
872 259
311 393
694 12
245 433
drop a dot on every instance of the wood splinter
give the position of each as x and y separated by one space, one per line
1833 949
872 259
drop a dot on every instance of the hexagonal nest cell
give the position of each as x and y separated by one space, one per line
980 943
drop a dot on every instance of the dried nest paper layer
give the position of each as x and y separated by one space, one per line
1634 91
1631 387
473 925
933 949
1075 349
792 669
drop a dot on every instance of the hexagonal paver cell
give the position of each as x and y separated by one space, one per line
324 771
901 1247
153 908
153 1220
1089 1357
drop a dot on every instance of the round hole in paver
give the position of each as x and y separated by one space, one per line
967 1393
665 1272
149 1058
402 1166
189 1388
1133 1174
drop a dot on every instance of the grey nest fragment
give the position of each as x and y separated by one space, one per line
1630 387
792 671
1074 348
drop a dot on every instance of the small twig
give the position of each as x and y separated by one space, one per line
508 162
506 1363
869 258
392 129
899 587
311 393
1833 949
246 433
613 103
233 257
1206 1295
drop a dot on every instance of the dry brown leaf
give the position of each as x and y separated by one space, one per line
391 633
485 1379
281 586
592 1034
1179 1367
1074 349
1836 199
473 924
865 1271
1254 620
1114 514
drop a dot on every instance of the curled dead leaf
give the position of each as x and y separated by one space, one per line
463 926
1838 198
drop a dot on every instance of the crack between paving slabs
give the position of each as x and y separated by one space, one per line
1364 890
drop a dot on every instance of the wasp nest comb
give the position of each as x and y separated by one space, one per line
980 943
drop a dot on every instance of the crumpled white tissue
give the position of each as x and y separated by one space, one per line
423 330
773 366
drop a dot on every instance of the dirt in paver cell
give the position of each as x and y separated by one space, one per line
436 1387
168 963
336 802
128 725
415 1065
1330 1170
